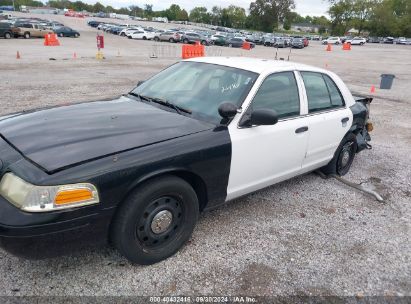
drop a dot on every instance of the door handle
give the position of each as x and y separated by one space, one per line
345 119
301 130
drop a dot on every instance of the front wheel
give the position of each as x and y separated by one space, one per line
75 35
156 220
230 45
343 157
171 40
156 39
61 35
26 35
7 35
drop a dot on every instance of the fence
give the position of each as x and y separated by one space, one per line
168 50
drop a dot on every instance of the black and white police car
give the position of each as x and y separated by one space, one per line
137 170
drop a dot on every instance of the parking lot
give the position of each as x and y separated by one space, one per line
306 236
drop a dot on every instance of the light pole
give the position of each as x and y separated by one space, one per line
14 8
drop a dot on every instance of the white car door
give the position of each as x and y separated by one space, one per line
264 155
329 119
137 35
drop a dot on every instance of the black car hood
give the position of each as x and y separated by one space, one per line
63 136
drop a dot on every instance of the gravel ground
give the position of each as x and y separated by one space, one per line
305 236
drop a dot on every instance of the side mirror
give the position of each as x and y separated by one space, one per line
140 82
227 110
263 117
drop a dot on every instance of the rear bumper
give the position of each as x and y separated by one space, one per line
45 235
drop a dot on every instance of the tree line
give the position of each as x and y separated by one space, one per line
378 17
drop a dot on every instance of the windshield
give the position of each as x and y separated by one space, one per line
199 87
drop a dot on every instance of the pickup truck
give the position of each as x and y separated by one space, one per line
28 30
137 170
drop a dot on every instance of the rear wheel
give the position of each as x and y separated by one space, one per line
171 40
7 35
156 220
343 157
144 38
61 35
204 42
156 39
185 41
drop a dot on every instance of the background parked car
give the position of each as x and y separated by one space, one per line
356 41
6 30
269 41
297 43
237 42
66 31
168 36
221 41
194 37
402 40
374 40
332 40
280 42
145 35
388 40
129 30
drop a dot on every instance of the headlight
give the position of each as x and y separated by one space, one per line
33 198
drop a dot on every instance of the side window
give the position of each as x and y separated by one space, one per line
322 93
279 92
335 95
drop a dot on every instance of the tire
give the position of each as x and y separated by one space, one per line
61 35
26 35
171 40
122 34
185 41
7 35
156 39
75 35
204 42
343 157
230 45
132 228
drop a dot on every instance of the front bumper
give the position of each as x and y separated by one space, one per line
44 235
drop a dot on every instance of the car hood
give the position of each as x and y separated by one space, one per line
63 136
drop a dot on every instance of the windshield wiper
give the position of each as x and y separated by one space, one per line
163 102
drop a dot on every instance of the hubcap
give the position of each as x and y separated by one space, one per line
161 221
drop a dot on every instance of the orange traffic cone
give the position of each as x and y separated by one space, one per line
329 49
18 55
372 89
346 46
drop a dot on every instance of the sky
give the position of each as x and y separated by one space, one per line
303 7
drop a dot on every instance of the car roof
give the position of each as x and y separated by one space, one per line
257 65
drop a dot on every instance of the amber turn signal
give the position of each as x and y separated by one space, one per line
72 196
